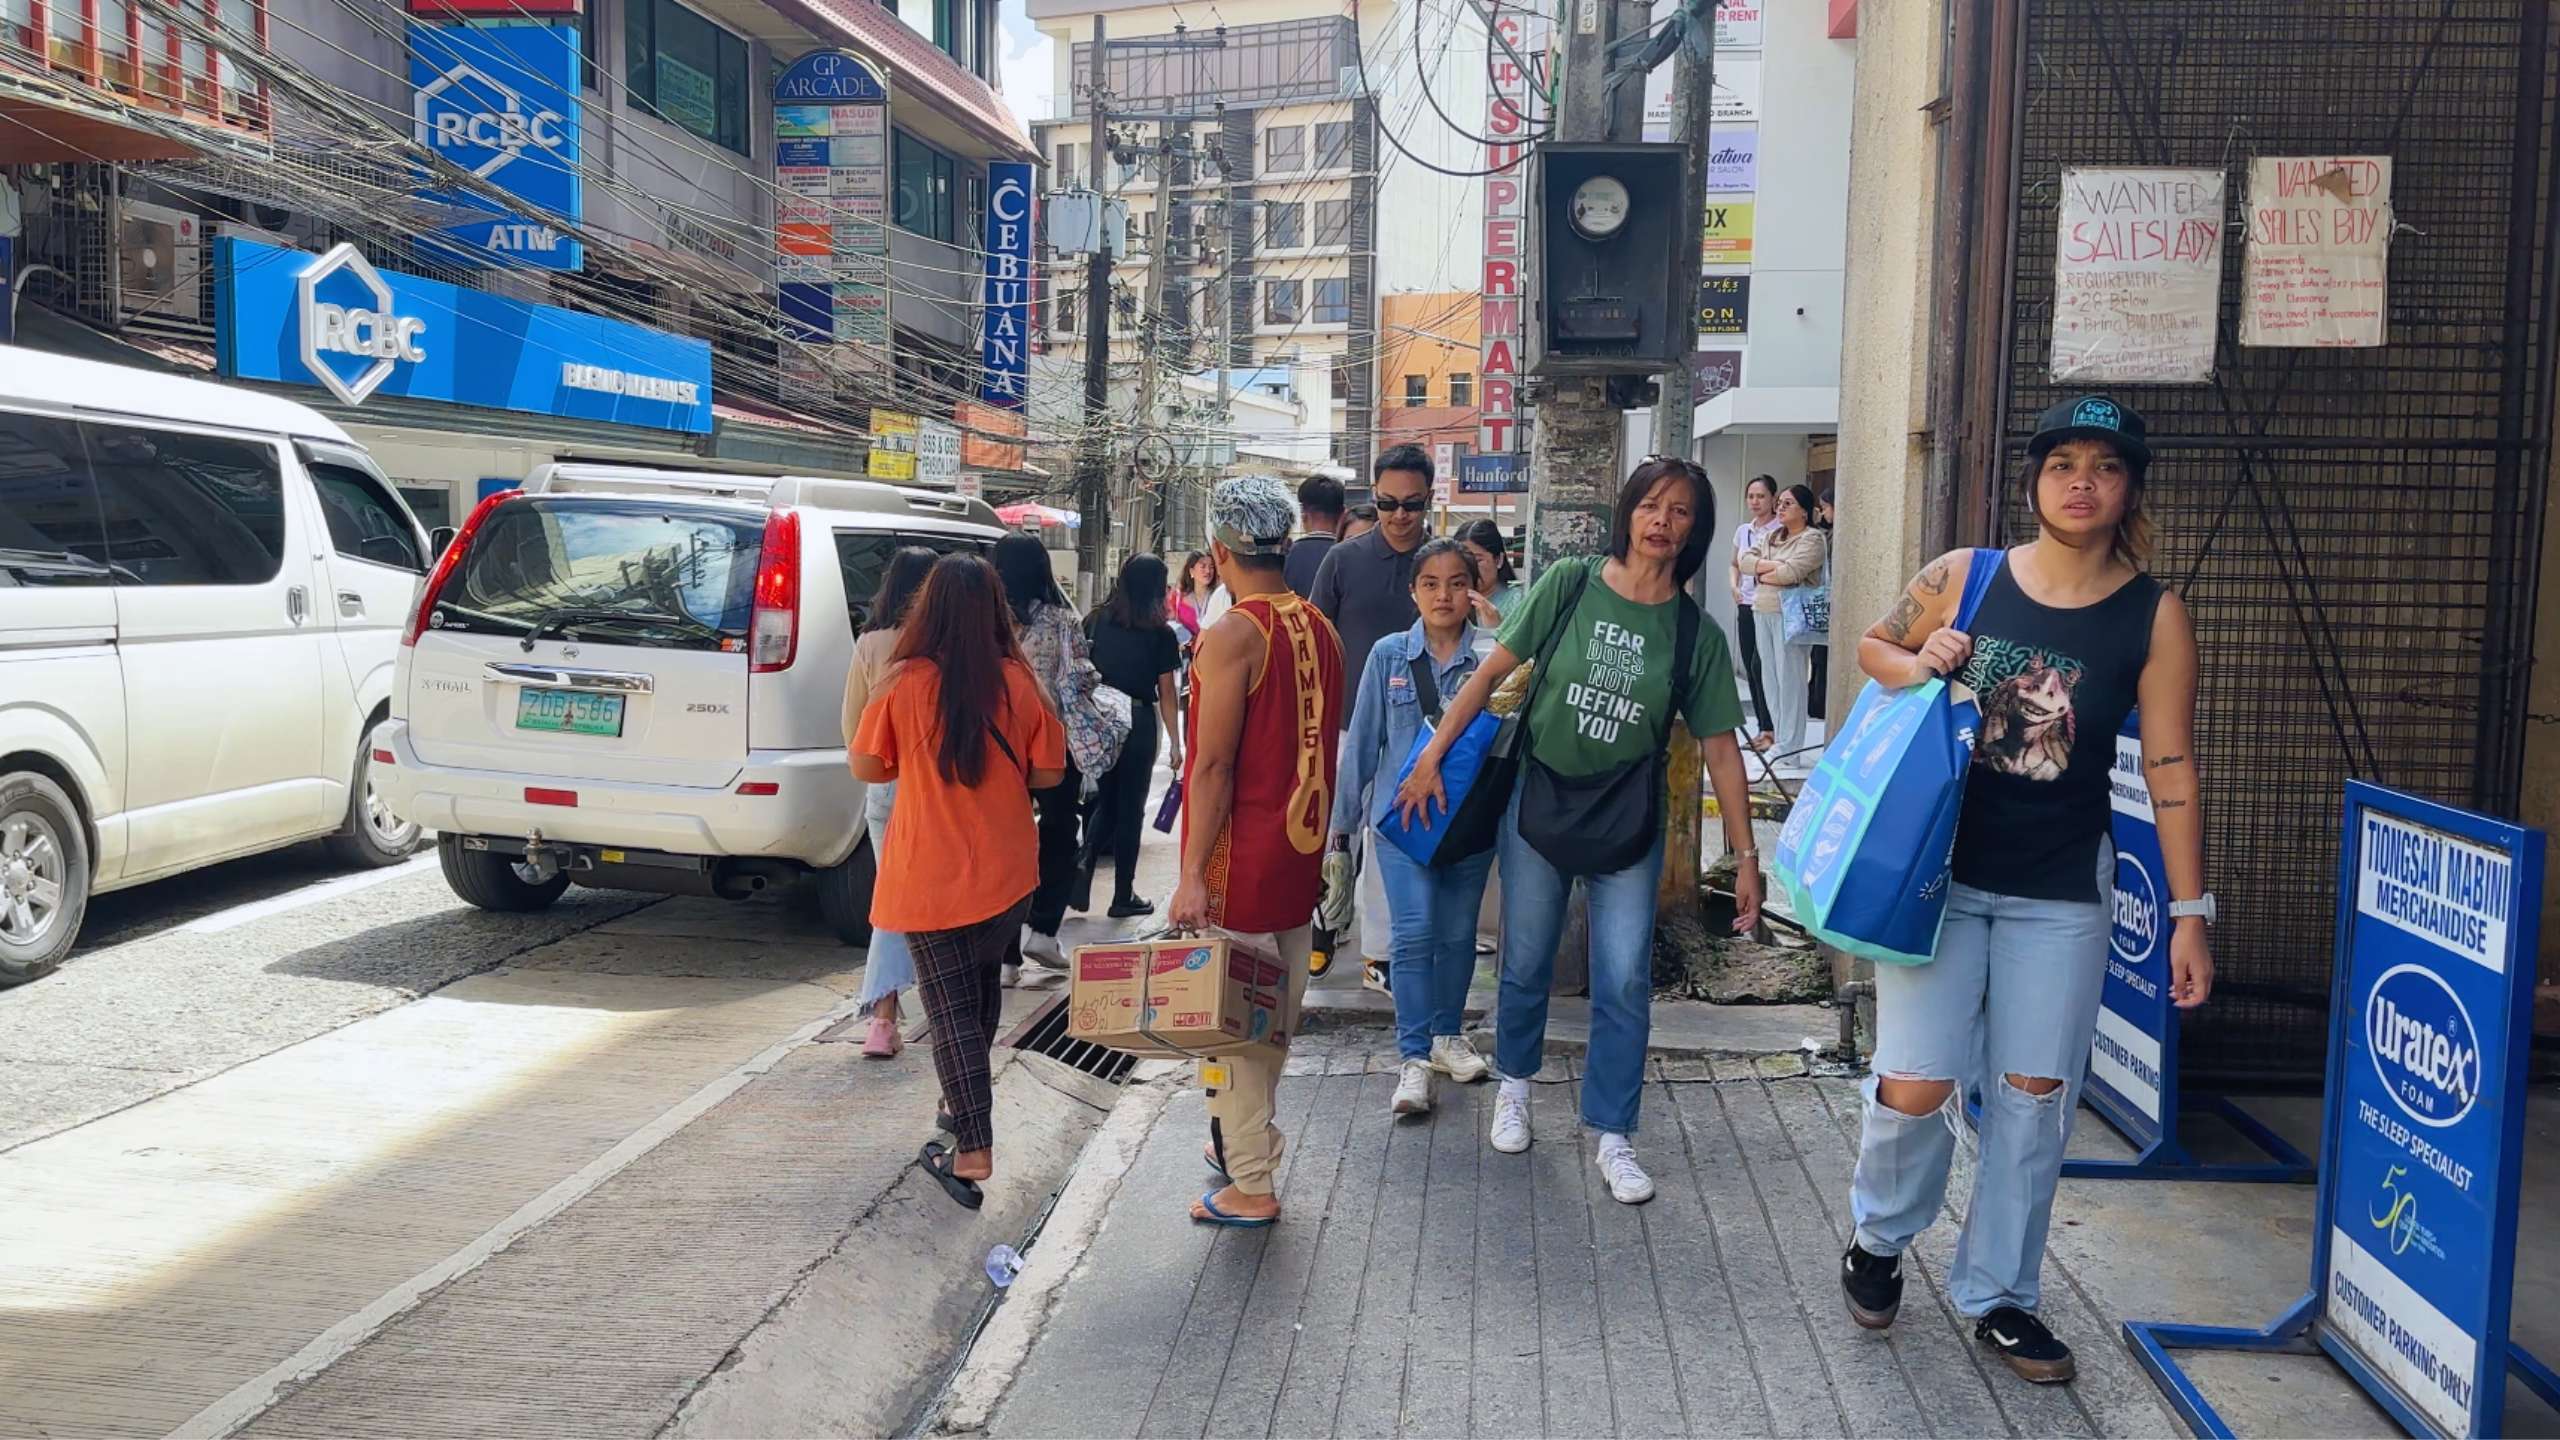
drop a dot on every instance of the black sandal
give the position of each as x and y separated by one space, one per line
964 1193
943 1122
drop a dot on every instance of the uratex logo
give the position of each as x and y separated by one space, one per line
2424 1047
351 340
480 123
2137 907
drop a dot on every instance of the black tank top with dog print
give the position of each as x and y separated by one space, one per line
2054 686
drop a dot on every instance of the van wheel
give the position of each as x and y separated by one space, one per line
44 876
489 880
844 895
374 837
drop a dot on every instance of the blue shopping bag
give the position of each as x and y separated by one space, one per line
1865 851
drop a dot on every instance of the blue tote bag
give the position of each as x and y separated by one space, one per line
1865 851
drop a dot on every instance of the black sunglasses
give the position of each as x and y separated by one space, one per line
1414 506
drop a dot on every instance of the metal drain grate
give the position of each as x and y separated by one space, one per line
1045 1033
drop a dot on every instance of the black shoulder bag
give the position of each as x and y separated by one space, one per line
1601 824
1477 822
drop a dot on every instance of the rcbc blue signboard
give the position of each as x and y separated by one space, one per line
335 321
501 101
2431 1014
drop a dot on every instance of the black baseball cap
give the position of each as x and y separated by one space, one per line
2094 417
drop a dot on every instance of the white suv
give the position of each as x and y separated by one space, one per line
634 679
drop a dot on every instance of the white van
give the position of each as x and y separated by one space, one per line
201 594
634 678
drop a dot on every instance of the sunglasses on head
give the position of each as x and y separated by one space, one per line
1414 506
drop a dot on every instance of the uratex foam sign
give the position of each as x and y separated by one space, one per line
335 321
501 101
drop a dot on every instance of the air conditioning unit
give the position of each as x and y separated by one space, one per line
160 267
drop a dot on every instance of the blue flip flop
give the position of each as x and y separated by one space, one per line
1216 1216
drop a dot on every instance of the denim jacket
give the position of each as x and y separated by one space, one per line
1387 715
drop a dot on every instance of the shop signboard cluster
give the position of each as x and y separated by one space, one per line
500 100
335 322
2414 1236
831 236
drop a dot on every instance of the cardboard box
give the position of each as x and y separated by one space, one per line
1203 995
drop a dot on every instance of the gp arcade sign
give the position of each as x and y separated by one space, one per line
501 101
2413 1260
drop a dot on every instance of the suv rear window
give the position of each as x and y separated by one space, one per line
623 573
863 556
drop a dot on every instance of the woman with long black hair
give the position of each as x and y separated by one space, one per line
886 966
1135 649
1052 643
962 728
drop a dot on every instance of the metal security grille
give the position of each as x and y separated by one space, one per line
2356 531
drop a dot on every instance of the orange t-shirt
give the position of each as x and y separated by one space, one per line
957 854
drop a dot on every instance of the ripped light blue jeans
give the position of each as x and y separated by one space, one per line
2013 992
887 967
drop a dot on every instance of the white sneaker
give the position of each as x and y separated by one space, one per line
1413 1088
1042 950
1373 976
1456 1057
1628 1184
1012 976
1511 1121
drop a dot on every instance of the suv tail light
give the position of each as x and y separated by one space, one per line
773 639
450 561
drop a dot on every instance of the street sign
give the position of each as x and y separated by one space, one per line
2431 1022
501 101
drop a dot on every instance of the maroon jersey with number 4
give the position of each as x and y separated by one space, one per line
1267 869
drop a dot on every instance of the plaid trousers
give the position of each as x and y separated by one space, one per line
961 974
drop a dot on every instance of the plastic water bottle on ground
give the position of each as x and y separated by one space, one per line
1003 1263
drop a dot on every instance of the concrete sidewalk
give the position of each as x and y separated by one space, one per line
1424 1284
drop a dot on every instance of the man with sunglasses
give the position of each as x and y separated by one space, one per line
1365 587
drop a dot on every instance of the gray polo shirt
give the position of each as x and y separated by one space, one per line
1365 587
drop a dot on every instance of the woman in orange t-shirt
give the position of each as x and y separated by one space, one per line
962 728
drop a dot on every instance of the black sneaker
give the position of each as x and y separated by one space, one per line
1130 906
1873 1285
2029 1348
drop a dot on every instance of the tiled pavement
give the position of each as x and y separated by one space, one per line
1423 1284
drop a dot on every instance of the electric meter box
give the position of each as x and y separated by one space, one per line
1604 257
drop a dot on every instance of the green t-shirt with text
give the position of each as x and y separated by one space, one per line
1600 702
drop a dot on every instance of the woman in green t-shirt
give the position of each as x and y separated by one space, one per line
1608 628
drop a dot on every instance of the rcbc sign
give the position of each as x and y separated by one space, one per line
352 339
501 101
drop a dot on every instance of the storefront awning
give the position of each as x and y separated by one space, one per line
1771 410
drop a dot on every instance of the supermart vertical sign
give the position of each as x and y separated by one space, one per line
1510 102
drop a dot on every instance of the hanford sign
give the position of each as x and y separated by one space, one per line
501 101
335 321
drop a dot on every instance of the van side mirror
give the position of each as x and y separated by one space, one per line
437 540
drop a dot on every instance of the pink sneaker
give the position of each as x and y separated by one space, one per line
881 1041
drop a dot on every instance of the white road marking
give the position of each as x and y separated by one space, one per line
333 1344
311 894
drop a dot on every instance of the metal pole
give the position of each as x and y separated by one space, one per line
1093 459
1675 423
1150 334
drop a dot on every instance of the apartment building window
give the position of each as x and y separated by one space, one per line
1333 222
1284 149
1333 144
1462 388
1417 391
1069 312
1282 302
925 184
591 47
1333 302
1068 174
1284 226
688 72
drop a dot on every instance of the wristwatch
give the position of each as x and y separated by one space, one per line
2202 908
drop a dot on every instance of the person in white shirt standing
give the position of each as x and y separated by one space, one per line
1761 496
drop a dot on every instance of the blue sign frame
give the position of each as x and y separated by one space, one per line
1502 473
1004 343
336 322
501 100
2431 1028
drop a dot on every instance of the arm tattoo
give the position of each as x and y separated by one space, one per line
1897 626
1933 580
2165 761
2168 804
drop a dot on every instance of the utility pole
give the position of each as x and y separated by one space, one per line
1675 418
1151 329
1093 447
1575 464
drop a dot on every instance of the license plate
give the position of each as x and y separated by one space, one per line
569 712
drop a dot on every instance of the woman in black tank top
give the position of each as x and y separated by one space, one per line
2069 637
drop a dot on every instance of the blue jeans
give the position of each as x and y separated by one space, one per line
2014 991
887 966
1533 906
1433 953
